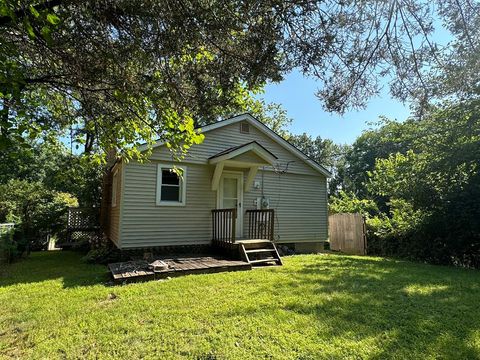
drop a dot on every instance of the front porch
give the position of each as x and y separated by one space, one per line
258 247
231 254
250 240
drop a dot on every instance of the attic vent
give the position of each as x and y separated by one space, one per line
244 128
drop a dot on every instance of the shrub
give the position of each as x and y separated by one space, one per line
7 245
350 203
36 211
103 255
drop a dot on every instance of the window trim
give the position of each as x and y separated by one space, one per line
182 190
114 188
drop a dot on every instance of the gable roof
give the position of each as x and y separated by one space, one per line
265 130
251 146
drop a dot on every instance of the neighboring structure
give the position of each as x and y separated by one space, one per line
241 165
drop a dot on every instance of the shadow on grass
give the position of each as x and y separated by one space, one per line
44 266
407 309
398 309
412 305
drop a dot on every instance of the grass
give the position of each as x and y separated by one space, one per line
314 307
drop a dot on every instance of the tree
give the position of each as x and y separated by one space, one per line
35 210
389 137
349 203
126 72
326 153
434 187
50 163
38 182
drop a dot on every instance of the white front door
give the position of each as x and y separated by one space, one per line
230 196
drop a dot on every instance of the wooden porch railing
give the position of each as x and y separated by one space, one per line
261 224
223 225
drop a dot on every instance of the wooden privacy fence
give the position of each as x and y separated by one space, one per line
347 233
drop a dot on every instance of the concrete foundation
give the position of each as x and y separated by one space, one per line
309 248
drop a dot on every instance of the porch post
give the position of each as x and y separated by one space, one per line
217 174
250 177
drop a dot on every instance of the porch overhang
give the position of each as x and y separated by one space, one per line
250 156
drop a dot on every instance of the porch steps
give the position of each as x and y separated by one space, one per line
259 251
263 261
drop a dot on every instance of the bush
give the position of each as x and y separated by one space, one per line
350 203
7 245
36 211
103 255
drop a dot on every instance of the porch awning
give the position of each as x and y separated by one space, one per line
251 155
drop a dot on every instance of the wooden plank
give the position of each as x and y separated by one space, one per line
138 271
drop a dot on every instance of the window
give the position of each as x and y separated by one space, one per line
114 188
170 186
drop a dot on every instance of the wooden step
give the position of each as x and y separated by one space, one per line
274 257
254 241
266 260
259 250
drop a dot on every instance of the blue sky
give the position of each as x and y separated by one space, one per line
297 95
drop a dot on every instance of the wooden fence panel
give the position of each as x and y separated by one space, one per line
347 233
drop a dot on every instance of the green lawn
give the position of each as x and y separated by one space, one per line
314 307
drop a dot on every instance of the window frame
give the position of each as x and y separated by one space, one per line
114 188
182 186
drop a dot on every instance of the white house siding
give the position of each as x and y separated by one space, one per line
298 196
145 224
229 136
300 204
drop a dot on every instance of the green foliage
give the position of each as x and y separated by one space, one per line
35 209
50 163
271 114
130 87
103 255
8 248
125 72
52 179
426 188
389 137
350 203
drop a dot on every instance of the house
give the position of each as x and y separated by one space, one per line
242 166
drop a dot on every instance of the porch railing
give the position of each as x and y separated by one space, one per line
261 224
223 225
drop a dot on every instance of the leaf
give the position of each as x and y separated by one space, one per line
47 34
53 19
29 28
34 11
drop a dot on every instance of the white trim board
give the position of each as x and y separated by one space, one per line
240 184
182 186
253 146
263 128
